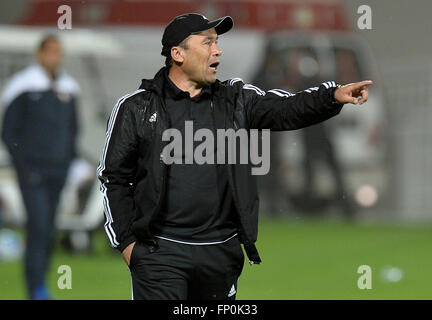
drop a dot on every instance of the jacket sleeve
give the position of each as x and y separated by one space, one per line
74 127
278 110
116 172
12 127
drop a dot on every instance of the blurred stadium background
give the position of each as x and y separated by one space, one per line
371 203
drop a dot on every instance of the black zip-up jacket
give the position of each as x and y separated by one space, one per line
132 172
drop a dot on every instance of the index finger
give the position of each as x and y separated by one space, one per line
361 84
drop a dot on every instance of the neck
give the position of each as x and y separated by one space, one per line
179 78
50 72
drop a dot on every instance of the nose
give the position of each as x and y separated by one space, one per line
216 50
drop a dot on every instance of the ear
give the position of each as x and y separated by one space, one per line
177 54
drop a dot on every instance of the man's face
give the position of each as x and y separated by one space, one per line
201 58
50 56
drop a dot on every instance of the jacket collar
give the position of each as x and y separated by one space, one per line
157 84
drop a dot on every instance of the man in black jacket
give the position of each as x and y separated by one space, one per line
39 130
180 224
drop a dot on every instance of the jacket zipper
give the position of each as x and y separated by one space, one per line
162 164
236 202
235 124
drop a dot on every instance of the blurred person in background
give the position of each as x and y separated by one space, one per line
272 188
293 71
180 226
39 131
318 148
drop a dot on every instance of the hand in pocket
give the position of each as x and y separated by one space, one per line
127 252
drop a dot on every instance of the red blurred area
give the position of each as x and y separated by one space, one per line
264 15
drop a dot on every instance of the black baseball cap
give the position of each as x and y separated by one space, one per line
183 26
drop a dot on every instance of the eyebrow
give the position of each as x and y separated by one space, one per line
212 38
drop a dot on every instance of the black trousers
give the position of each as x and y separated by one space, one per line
41 194
176 271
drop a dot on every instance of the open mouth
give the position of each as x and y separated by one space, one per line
214 66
